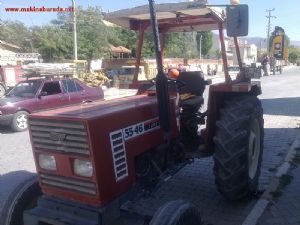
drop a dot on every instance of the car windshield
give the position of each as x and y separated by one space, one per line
26 88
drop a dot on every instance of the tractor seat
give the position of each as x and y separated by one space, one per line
194 102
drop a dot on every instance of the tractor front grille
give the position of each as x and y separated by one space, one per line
60 136
119 155
69 184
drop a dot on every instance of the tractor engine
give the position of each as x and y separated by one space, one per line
100 150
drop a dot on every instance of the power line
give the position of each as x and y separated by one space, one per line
269 17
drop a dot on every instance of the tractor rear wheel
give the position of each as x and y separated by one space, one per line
23 197
239 147
177 212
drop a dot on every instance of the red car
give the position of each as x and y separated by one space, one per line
36 95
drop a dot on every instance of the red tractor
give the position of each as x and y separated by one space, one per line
92 159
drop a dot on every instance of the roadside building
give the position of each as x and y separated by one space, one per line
248 52
6 51
215 51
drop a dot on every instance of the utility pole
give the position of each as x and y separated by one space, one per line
200 47
74 31
269 16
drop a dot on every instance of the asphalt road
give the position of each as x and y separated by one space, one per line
281 103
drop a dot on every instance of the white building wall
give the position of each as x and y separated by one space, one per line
6 52
248 54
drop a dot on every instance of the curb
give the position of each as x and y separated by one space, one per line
289 67
265 199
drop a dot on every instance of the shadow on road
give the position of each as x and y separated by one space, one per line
6 130
282 106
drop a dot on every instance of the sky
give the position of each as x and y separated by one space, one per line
286 13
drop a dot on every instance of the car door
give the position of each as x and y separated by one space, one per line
52 96
76 93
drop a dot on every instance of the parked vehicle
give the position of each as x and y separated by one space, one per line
95 164
123 76
233 70
9 77
40 94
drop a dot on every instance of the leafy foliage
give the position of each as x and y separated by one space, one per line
123 37
92 33
180 45
206 41
52 42
55 40
294 54
16 33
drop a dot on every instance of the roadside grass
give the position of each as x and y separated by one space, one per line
296 159
286 179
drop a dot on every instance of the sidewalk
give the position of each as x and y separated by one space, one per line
284 207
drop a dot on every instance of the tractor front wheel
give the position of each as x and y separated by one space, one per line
177 212
23 197
239 147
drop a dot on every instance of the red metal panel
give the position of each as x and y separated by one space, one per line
167 26
109 188
101 119
224 56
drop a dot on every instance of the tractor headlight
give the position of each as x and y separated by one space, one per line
47 162
83 168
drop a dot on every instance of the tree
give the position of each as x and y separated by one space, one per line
181 45
206 42
92 33
294 54
124 37
53 43
16 33
218 54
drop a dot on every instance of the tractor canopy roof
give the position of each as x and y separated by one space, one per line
171 17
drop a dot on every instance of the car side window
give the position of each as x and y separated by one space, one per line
71 86
51 88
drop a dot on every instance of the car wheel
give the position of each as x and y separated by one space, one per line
20 121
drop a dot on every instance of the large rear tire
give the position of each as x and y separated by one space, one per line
23 197
177 212
239 147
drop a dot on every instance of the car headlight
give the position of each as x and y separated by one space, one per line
83 168
47 162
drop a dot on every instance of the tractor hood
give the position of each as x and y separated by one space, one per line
171 17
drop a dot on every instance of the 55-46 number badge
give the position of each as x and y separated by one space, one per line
140 128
